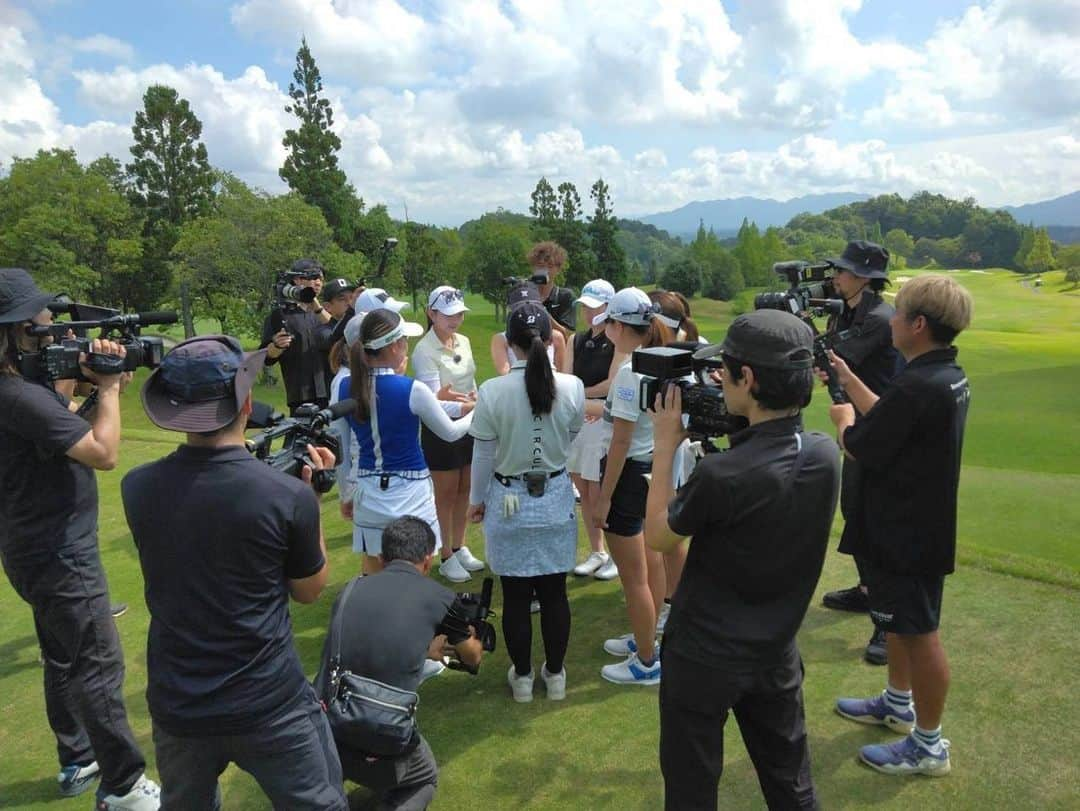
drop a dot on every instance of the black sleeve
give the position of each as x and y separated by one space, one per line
41 416
874 334
877 438
270 327
567 313
323 336
702 500
304 555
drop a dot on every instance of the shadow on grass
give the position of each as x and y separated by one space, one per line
9 655
43 790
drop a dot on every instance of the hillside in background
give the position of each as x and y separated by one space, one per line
1062 211
725 216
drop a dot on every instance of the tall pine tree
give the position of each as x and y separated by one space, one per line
610 258
569 231
311 167
544 207
171 182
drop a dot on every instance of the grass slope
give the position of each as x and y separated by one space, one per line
1005 635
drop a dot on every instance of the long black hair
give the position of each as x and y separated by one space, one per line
539 379
376 324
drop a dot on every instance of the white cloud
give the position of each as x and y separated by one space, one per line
102 45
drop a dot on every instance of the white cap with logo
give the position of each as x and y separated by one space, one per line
596 293
447 300
630 306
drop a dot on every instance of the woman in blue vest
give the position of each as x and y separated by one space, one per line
392 477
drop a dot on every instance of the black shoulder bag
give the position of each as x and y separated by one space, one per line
367 715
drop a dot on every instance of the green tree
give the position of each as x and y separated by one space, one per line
71 230
311 166
1041 257
751 255
570 232
610 259
684 275
899 243
544 207
430 259
171 184
493 250
1027 242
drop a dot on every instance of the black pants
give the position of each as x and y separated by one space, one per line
550 590
291 756
406 783
84 665
768 706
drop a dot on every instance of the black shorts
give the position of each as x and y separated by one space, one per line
627 514
903 603
442 455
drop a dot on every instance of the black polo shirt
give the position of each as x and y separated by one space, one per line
760 515
219 534
304 365
869 351
48 501
391 619
908 447
592 357
560 306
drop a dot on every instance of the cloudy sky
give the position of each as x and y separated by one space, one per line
455 107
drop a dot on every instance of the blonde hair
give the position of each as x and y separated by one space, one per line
943 302
547 254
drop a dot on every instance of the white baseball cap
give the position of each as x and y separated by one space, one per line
375 298
447 300
630 306
596 293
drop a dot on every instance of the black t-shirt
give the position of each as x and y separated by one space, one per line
908 447
219 534
869 350
759 515
305 364
560 306
48 501
390 621
592 357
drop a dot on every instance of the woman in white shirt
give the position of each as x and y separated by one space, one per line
523 424
443 361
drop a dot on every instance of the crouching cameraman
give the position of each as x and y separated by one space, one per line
382 628
759 515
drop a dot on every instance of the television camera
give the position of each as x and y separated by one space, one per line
309 425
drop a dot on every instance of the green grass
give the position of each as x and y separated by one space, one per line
1012 641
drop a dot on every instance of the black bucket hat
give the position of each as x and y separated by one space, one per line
865 259
20 298
201 384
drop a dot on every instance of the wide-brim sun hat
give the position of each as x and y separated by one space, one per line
20 298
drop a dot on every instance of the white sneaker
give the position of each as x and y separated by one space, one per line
591 564
453 571
145 795
621 645
521 686
661 621
609 571
632 672
467 561
430 669
554 682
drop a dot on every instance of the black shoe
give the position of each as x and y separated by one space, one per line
852 599
876 653
118 609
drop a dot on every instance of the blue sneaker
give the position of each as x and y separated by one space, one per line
906 756
632 671
74 780
876 711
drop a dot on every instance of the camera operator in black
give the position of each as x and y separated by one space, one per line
49 548
862 273
299 336
391 625
759 516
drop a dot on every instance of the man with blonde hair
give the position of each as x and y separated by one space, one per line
908 446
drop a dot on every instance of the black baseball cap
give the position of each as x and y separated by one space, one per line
865 259
306 269
201 384
527 315
522 291
770 338
20 298
335 287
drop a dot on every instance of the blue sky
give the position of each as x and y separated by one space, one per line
458 106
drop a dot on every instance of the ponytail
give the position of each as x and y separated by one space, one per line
376 324
657 333
539 379
691 329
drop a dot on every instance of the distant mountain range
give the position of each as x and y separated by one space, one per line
725 216
1064 210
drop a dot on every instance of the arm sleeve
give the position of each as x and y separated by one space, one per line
483 421
304 556
423 404
579 408
44 418
270 326
346 481
879 436
624 395
483 465
701 501
426 373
